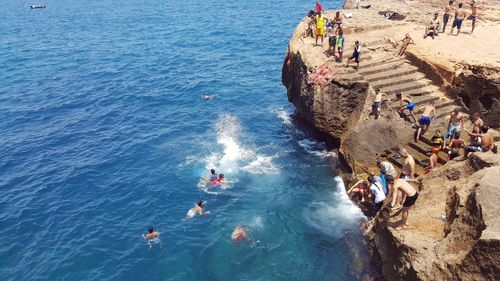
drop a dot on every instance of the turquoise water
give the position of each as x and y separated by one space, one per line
104 133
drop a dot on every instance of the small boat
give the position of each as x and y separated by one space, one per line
39 6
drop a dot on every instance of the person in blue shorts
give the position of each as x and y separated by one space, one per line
424 121
406 104
459 18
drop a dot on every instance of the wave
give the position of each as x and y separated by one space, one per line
336 215
285 116
317 149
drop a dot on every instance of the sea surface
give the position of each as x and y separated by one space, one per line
103 133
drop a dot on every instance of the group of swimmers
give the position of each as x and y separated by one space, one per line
239 232
459 14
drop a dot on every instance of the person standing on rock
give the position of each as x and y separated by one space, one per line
340 44
408 170
425 120
406 41
319 8
459 18
320 28
356 54
455 124
377 104
473 16
477 122
403 187
446 17
332 40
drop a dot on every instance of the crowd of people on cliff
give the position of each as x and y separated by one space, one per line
434 27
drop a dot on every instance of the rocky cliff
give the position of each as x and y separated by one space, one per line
454 232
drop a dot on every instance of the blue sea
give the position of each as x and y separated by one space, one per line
104 133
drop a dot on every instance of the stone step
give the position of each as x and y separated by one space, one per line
392 64
407 86
420 91
423 147
376 62
392 73
401 81
445 111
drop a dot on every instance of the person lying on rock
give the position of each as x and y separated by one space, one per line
406 41
432 27
403 187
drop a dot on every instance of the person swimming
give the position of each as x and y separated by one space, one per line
213 175
239 234
153 237
197 209
219 180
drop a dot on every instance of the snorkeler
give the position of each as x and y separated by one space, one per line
151 234
197 209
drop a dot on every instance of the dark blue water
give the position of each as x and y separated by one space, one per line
103 133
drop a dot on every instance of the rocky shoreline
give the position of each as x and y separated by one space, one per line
455 229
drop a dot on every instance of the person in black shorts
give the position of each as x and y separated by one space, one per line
356 54
403 187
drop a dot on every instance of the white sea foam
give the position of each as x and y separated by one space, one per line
317 149
230 155
336 215
285 116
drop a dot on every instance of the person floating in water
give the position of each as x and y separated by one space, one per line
219 180
213 175
153 237
197 209
206 97
239 234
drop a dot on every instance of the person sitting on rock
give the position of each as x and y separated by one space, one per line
360 188
482 142
433 160
377 192
476 120
454 148
432 27
406 104
406 41
403 187
437 141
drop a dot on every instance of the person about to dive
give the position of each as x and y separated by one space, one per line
197 209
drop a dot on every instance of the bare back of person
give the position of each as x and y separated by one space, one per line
409 166
405 187
486 142
152 235
429 110
456 118
460 13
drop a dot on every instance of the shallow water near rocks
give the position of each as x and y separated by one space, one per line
104 133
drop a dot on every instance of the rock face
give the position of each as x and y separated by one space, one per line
464 247
479 89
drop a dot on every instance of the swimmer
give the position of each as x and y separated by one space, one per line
197 209
206 97
219 180
239 234
151 234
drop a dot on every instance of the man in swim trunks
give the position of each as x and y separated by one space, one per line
408 169
484 141
406 104
239 234
473 16
377 103
406 41
337 20
151 234
361 187
403 187
477 122
332 40
446 17
455 124
356 54
320 28
459 18
424 121
433 26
